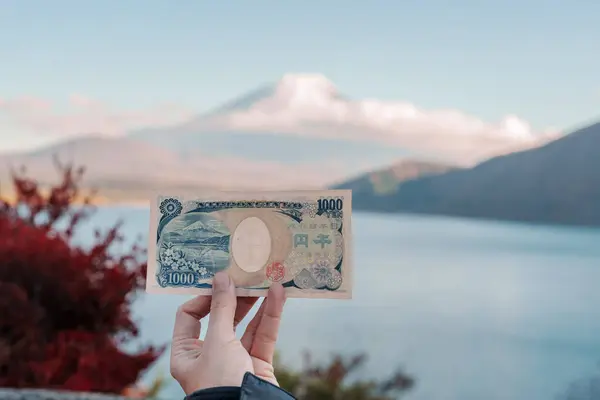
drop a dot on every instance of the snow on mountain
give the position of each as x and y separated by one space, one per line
310 105
298 100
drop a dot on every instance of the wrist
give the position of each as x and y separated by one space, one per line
213 381
252 386
216 393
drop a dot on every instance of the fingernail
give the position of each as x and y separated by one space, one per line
221 280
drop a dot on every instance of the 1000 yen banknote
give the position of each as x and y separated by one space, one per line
301 239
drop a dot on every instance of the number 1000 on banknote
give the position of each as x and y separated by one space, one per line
299 239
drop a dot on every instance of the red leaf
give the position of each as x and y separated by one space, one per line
63 307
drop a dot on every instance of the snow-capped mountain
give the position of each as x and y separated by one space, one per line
303 117
297 133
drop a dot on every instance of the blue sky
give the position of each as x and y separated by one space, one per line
536 59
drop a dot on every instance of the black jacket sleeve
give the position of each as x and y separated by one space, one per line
253 388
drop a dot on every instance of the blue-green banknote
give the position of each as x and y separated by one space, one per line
300 239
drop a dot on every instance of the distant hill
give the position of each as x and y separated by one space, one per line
557 183
132 169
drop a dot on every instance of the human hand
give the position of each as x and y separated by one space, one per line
221 359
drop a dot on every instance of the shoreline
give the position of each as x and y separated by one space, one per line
97 200
106 202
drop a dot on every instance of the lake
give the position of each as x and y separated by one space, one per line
473 310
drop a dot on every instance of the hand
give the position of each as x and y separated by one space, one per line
221 359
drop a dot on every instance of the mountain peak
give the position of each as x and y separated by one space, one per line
292 89
305 85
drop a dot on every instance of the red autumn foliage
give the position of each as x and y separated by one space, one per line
65 310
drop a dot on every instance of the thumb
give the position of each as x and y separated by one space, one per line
222 309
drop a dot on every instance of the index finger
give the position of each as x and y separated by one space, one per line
187 319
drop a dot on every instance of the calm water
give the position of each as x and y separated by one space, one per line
474 310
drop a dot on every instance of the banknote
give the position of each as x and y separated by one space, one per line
301 239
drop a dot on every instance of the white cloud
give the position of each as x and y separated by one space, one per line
84 115
310 105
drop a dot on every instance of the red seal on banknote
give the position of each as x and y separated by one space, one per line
275 271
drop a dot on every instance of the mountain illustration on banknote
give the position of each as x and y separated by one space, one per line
200 237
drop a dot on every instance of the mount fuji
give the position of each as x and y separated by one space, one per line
298 133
